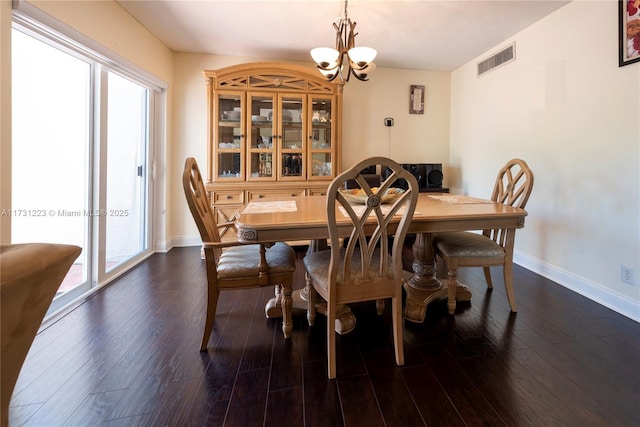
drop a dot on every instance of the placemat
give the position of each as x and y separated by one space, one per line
270 207
449 198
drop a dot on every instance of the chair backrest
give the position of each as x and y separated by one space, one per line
198 202
370 223
513 187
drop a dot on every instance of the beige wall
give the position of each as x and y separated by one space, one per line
413 138
566 108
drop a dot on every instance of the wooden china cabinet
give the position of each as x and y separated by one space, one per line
273 130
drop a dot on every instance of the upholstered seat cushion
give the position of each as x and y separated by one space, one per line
317 265
467 245
242 261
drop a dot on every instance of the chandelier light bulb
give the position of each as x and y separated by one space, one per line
329 74
365 72
326 57
362 56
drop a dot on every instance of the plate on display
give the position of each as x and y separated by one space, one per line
231 115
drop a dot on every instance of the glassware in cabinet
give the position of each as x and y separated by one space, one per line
291 109
230 137
261 165
261 136
321 123
321 138
262 124
229 165
292 165
321 165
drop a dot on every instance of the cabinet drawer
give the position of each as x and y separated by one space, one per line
317 192
271 194
231 197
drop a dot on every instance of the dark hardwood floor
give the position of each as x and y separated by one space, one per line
129 357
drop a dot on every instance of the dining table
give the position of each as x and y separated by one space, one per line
304 218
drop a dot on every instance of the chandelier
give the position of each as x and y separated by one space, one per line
359 60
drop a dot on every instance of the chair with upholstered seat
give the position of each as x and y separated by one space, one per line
232 264
493 247
364 269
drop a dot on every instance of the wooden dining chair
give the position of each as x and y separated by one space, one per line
233 264
364 269
493 247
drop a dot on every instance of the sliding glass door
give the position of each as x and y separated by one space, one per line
80 156
126 190
51 143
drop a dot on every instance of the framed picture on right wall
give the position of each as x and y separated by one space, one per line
628 31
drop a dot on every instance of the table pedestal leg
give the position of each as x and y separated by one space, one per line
424 287
345 320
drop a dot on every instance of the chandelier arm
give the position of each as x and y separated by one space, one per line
351 42
340 38
362 79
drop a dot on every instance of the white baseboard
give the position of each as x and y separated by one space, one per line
184 241
162 247
606 297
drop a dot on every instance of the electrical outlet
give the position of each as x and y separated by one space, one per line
628 274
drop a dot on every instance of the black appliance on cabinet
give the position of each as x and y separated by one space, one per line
428 175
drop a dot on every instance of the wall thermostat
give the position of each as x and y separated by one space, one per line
388 121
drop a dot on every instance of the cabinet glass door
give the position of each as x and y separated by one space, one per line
292 115
321 137
292 136
229 163
262 133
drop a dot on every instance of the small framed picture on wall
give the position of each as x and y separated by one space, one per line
416 99
629 31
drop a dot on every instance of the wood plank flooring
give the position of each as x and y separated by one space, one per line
129 357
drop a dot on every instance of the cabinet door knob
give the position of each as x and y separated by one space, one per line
228 197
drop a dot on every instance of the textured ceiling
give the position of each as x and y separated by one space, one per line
427 34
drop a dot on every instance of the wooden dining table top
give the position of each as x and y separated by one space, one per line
433 213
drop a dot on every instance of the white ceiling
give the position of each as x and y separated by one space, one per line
418 34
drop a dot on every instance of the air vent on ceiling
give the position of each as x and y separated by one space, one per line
503 57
